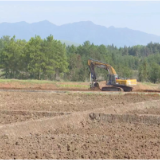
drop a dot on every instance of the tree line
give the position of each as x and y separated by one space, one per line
35 59
50 59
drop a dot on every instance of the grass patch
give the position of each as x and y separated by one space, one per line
26 81
80 85
72 86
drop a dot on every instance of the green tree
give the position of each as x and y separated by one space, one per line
10 56
143 72
154 73
34 57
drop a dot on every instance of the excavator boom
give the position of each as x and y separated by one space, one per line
99 64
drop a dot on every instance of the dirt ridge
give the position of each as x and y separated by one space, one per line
74 120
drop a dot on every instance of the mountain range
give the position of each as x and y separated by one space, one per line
78 33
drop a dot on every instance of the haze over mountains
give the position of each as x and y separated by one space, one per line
78 33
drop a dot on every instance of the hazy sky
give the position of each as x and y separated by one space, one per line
143 16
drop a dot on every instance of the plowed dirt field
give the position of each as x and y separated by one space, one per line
75 125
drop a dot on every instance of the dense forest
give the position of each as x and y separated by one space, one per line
50 59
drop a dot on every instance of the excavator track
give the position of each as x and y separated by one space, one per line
119 88
112 89
125 88
116 87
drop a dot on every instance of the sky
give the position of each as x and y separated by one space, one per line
138 15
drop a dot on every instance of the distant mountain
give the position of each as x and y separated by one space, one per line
78 33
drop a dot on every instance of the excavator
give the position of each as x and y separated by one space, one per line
113 83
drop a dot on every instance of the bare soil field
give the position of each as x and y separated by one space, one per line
75 125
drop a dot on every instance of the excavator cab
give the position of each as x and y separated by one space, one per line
111 79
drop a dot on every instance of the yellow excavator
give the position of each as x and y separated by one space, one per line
113 83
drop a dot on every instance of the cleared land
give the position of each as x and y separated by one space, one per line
76 125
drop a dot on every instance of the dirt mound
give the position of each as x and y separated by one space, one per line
125 118
146 88
8 117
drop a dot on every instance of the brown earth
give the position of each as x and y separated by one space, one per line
66 102
153 110
95 140
50 125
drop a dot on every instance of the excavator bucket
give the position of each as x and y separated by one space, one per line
95 86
